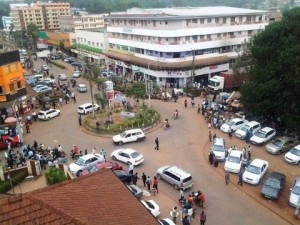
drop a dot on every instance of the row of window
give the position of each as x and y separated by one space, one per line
83 40
13 87
10 68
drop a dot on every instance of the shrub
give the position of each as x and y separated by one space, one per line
17 179
57 64
54 176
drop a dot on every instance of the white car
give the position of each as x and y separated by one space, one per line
129 136
263 136
166 221
294 198
234 161
128 156
44 89
48 114
87 108
234 124
62 77
81 88
49 80
255 171
152 207
251 128
218 148
85 162
76 74
45 67
293 156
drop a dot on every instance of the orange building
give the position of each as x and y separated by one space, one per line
55 37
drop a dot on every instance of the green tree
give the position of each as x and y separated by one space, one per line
273 86
54 176
137 90
33 31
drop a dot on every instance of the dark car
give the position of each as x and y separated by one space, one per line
123 176
135 190
14 141
78 64
273 185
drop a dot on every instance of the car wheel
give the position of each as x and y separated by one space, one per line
279 152
79 173
120 143
176 187
159 176
114 158
298 163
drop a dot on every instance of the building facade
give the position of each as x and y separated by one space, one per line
6 21
56 37
44 15
180 45
82 21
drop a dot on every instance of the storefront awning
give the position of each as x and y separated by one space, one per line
155 65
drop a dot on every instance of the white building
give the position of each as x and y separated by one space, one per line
166 45
91 44
6 21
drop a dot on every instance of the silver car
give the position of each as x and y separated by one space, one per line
135 190
85 162
281 144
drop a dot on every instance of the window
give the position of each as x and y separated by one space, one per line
11 87
232 19
194 21
209 20
1 90
187 38
216 20
202 21
224 20
166 22
19 84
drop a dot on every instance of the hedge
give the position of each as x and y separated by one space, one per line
17 179
57 64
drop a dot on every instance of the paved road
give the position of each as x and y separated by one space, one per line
184 145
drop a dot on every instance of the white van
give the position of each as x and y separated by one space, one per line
87 108
38 77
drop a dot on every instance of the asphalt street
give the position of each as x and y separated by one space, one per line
185 145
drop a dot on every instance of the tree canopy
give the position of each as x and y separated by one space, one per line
273 86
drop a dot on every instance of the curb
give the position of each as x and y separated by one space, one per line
206 146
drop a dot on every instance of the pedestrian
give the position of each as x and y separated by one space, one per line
230 133
174 214
130 169
185 103
211 157
79 119
103 153
144 178
214 136
240 178
85 151
249 155
27 127
148 182
156 143
155 185
190 213
202 218
181 194
216 163
199 108
227 177
244 153
135 178
94 151
209 124
209 136
186 221
34 115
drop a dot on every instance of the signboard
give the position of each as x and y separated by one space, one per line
110 94
213 67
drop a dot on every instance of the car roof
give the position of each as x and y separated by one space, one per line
258 162
276 175
81 85
85 104
178 171
128 150
237 153
252 123
219 141
284 139
266 129
87 156
134 130
236 119
48 110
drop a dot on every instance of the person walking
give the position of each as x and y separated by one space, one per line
240 182
135 178
227 177
103 153
144 178
230 133
186 221
211 157
156 143
175 214
148 182
209 136
202 218
185 103
155 185
130 169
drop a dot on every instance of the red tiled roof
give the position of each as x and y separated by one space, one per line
99 198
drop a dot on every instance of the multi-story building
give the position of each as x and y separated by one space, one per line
56 37
81 21
43 14
12 82
180 45
91 44
6 21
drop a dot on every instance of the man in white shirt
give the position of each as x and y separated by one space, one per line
130 169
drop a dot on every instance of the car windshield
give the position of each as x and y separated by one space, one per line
253 169
261 134
150 205
135 155
295 151
123 134
244 128
218 148
230 123
296 190
272 183
234 159
80 162
277 142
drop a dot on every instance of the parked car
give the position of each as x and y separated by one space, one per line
78 64
263 136
128 156
87 108
5 139
69 60
38 86
44 68
234 161
281 144
49 81
255 171
76 74
295 193
252 127
101 166
107 73
293 156
124 176
62 77
166 221
273 185
218 148
81 88
54 56
152 207
44 89
48 114
175 176
233 124
129 136
135 190
85 163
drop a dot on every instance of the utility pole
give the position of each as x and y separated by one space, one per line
193 67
